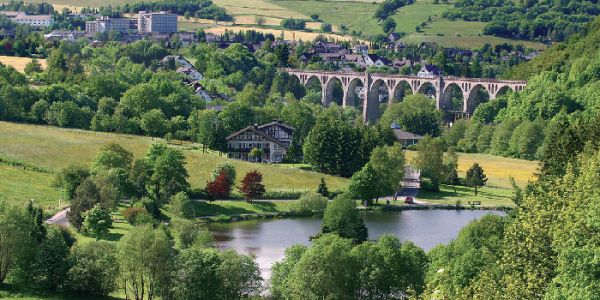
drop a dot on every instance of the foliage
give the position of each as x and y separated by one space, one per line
181 206
475 177
204 9
169 175
336 146
220 187
14 237
388 163
541 20
252 186
416 114
69 178
87 195
291 23
342 218
97 221
333 268
454 267
94 271
364 184
429 160
134 214
240 275
310 202
145 259
322 188
197 274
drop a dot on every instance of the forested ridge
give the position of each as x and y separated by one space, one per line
562 89
543 20
547 247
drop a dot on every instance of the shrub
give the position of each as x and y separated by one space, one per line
131 214
310 202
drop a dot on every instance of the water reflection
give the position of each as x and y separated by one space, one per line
268 239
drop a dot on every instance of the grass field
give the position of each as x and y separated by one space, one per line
54 148
19 63
19 185
461 34
498 169
357 15
488 196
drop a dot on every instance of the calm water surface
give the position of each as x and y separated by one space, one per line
268 239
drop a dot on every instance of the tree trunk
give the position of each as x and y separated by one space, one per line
475 190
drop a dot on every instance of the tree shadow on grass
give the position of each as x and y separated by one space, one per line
205 209
11 291
266 206
113 236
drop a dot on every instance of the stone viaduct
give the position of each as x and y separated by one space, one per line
376 86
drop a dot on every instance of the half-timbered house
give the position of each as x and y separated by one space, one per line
272 141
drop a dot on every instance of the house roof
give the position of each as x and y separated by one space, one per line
375 57
402 135
255 129
277 123
431 69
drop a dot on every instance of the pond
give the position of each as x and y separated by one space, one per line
268 239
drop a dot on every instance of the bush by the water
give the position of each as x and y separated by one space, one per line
310 202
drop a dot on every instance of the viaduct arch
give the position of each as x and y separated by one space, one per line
368 90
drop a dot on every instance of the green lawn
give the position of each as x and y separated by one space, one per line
498 169
55 148
8 292
488 196
461 34
19 186
358 15
232 207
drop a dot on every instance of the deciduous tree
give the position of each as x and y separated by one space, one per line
252 186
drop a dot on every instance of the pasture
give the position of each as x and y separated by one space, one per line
498 169
54 148
19 63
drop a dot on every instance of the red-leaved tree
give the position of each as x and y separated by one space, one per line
220 187
252 186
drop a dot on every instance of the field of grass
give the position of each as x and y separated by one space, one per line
86 3
19 185
19 63
461 34
498 169
287 34
232 207
488 196
54 148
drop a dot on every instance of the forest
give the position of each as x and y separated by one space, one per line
541 20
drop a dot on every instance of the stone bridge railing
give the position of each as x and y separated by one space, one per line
368 90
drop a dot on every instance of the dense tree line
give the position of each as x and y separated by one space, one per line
290 23
561 99
42 8
389 7
204 9
542 20
146 263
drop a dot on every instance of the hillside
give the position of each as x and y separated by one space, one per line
355 15
581 47
54 148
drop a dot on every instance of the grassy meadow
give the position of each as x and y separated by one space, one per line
19 63
356 15
498 169
54 148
